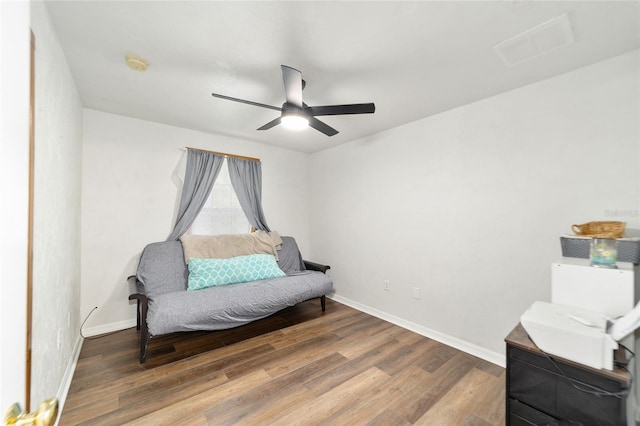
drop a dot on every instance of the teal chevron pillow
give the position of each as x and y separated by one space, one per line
204 273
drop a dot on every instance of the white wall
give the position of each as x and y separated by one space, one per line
468 205
130 193
14 191
56 227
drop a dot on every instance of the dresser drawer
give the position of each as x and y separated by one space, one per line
536 382
522 415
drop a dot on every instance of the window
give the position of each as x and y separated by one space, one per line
222 213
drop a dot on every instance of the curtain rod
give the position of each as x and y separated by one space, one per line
225 154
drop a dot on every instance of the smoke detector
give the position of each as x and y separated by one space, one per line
136 63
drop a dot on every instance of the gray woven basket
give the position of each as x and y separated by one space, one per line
628 250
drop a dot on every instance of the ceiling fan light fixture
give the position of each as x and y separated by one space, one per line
294 122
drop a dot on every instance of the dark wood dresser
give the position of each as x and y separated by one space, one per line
562 392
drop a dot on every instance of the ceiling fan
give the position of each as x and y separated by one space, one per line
295 114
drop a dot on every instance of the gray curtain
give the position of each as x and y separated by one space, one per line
202 170
246 179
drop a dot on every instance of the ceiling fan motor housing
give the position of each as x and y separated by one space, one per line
290 109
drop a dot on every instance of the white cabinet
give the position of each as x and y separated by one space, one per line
574 282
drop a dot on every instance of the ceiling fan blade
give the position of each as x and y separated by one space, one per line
321 127
229 98
369 108
292 85
271 124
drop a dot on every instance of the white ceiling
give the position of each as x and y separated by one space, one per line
413 59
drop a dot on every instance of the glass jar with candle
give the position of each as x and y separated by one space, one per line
604 252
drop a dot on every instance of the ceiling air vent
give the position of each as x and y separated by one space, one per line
536 41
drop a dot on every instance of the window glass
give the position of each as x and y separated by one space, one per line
222 213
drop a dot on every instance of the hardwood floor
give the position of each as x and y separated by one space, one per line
299 366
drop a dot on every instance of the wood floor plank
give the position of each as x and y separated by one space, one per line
374 401
339 318
427 392
310 329
174 414
350 340
99 378
143 400
387 418
409 338
316 411
282 406
490 368
437 355
362 343
269 361
283 393
474 420
462 401
299 359
80 413
300 366
198 420
492 408
407 355
362 323
166 374
152 399
345 372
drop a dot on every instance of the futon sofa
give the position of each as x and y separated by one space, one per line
168 301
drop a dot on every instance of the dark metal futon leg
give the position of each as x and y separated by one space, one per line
138 294
323 300
138 315
144 332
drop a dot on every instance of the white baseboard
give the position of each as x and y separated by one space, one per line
109 328
63 390
480 352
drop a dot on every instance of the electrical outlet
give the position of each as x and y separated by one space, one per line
387 286
416 292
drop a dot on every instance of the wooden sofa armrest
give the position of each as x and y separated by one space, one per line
135 286
312 266
137 292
